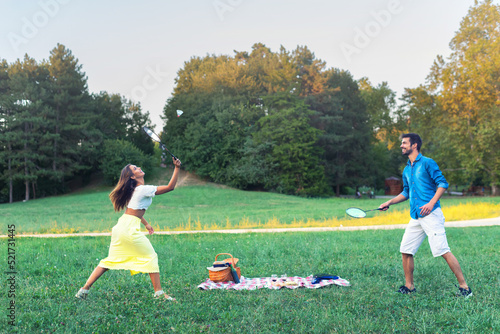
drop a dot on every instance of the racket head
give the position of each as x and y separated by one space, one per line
356 213
150 133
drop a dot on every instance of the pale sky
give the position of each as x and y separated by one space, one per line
135 48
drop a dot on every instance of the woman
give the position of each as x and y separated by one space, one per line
130 249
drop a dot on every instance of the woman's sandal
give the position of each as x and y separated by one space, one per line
160 293
82 294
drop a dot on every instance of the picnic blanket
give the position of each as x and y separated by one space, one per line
266 282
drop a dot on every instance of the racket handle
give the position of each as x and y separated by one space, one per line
379 209
173 156
166 149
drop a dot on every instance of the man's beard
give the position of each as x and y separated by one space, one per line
407 152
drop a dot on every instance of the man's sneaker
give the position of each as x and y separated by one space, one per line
464 292
405 291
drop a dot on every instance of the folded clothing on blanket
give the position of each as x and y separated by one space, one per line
321 277
267 282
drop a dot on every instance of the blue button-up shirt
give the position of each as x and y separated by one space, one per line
420 182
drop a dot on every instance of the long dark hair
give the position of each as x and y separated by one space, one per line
121 195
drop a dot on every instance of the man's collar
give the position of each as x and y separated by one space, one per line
419 156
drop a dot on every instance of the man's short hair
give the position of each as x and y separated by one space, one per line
414 139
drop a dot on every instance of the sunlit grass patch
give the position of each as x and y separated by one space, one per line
55 228
466 211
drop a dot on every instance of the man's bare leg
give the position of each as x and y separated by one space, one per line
455 268
408 266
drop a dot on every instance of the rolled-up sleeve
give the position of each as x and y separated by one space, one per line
406 187
436 174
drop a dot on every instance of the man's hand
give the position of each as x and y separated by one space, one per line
426 209
398 199
385 206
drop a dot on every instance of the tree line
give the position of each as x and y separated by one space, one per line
282 121
275 121
52 130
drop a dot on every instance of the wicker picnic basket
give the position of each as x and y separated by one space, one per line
224 275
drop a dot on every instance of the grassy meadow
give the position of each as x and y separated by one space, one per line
50 271
199 207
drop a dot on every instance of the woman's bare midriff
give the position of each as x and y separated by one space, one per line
138 213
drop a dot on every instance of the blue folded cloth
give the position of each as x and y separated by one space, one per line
319 278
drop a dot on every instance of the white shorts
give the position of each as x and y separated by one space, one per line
431 226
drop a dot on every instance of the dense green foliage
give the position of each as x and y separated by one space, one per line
276 121
348 127
52 130
118 153
241 106
52 270
273 121
462 99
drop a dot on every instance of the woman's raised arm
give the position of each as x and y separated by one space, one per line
173 180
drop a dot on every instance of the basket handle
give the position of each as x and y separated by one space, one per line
232 259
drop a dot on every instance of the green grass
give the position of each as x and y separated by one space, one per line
50 271
92 211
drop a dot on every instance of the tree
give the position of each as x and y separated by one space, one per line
118 118
310 71
468 87
347 137
271 72
380 104
24 122
51 129
118 153
110 115
210 133
419 109
135 121
282 108
7 129
288 130
214 74
68 113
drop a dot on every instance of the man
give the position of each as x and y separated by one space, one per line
423 184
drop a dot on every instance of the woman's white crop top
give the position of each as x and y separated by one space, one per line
142 197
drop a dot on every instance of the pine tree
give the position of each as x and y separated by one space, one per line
68 114
24 122
7 130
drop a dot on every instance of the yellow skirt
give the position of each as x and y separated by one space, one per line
130 249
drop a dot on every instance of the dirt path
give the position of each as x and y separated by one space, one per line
464 223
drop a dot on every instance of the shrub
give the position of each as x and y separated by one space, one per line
117 154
